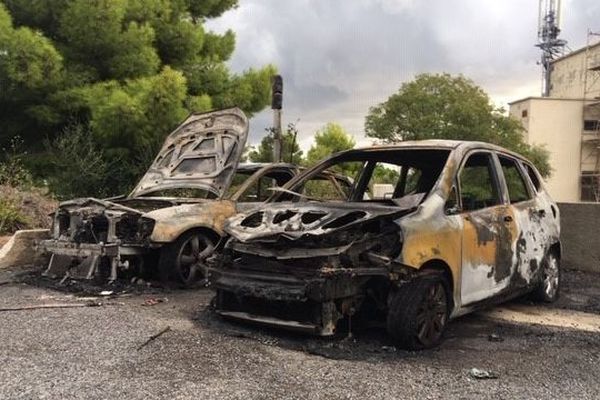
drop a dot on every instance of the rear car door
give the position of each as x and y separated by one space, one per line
488 229
529 215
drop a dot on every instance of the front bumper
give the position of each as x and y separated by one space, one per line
306 304
81 260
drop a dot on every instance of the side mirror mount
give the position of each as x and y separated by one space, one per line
452 207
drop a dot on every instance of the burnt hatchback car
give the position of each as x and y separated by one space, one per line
429 231
173 218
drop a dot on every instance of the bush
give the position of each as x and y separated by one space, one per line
11 218
24 209
12 170
79 167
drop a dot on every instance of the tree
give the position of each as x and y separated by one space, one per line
441 106
290 151
130 70
332 138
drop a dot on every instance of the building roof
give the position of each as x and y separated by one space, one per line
575 52
510 103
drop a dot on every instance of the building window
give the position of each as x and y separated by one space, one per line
524 114
591 125
590 190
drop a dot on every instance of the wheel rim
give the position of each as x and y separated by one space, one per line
432 315
551 277
192 257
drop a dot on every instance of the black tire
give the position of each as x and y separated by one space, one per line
183 261
418 312
548 289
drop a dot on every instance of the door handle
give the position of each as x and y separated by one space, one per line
508 218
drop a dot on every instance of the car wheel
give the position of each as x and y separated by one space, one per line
184 260
418 313
549 286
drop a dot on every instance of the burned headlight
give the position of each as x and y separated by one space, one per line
145 227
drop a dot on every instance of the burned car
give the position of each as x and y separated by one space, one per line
461 225
173 218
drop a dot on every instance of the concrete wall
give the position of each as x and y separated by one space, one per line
568 74
555 124
580 235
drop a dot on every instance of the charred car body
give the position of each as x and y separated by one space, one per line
175 214
463 225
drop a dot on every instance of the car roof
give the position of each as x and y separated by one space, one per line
463 145
252 166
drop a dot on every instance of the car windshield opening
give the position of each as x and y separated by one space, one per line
389 176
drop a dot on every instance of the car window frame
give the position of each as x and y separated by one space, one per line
535 190
524 175
255 178
496 178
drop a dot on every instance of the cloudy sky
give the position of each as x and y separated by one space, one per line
339 57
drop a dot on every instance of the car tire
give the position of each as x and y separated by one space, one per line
183 261
548 289
418 312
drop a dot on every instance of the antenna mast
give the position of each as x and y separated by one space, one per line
548 41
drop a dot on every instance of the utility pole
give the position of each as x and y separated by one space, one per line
276 103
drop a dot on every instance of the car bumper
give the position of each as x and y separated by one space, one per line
305 305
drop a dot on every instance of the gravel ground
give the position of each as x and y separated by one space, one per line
93 353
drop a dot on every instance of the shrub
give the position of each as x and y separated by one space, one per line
12 170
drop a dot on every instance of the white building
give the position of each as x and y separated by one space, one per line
568 124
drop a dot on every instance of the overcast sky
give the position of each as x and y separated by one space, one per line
339 57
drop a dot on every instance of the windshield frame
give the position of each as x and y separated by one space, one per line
364 156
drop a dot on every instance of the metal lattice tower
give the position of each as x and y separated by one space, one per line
548 41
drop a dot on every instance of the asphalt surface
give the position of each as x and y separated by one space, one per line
103 351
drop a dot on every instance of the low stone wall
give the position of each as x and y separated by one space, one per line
19 249
580 235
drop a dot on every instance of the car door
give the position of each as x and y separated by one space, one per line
529 216
488 229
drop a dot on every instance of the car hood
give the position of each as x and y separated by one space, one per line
293 220
203 153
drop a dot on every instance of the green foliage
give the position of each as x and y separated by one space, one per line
291 150
11 217
441 106
81 168
329 140
130 70
12 168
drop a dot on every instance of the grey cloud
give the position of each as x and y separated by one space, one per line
338 58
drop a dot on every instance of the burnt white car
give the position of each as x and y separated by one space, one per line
463 225
171 221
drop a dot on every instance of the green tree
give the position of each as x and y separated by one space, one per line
290 152
441 106
129 70
331 139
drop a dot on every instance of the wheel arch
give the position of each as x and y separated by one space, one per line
556 248
206 230
440 266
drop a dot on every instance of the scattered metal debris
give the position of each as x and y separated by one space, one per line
53 305
482 374
154 301
154 337
494 337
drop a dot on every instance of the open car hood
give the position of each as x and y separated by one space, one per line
202 153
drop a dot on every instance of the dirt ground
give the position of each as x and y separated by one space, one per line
4 240
103 351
